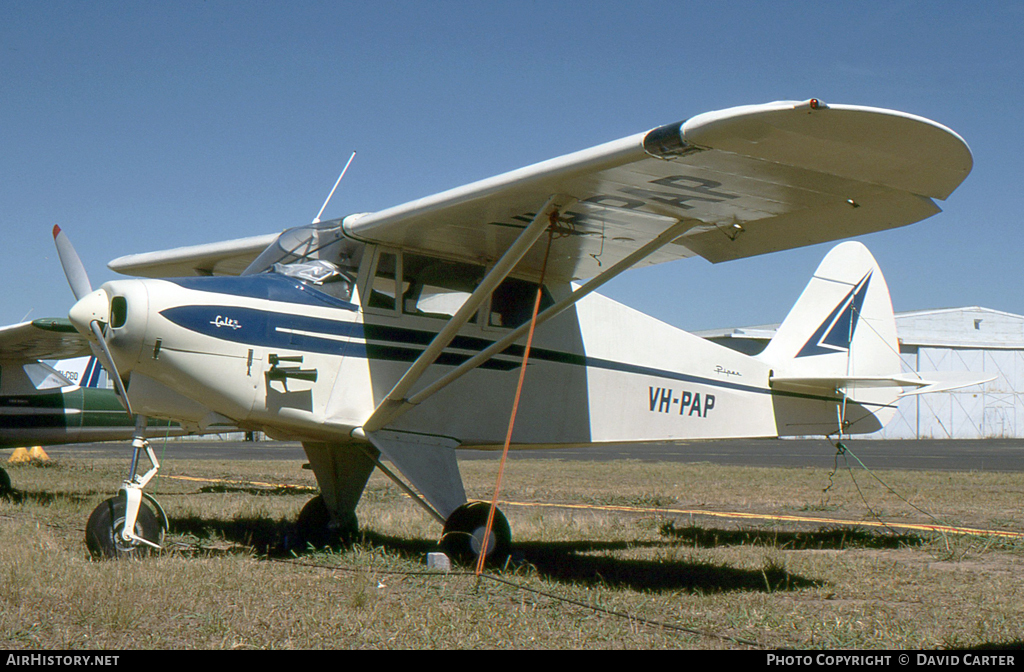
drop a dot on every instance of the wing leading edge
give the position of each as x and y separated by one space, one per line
746 180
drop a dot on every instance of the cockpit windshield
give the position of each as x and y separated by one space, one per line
318 255
303 243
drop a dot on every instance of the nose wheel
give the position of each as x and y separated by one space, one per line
104 532
126 525
463 535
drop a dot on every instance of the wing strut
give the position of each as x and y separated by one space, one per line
482 558
396 398
400 406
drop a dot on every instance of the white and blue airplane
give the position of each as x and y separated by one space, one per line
398 335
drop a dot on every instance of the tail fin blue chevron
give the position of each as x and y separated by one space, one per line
836 332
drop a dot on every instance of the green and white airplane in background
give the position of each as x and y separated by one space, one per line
68 400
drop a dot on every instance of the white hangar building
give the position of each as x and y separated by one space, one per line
974 339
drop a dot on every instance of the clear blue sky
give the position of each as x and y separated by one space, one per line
140 126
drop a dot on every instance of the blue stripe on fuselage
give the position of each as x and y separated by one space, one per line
251 326
263 328
269 286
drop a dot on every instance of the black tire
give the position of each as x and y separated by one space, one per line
314 528
103 531
5 483
463 535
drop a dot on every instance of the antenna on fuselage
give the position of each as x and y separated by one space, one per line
324 206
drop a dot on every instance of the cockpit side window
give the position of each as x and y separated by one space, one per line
422 286
437 287
512 303
386 278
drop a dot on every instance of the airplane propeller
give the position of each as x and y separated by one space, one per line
122 524
74 270
91 312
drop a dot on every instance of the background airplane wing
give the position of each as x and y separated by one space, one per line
751 179
748 180
49 338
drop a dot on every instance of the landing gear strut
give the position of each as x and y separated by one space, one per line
463 535
123 526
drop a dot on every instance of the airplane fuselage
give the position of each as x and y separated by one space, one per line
269 352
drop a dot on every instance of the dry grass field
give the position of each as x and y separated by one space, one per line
607 555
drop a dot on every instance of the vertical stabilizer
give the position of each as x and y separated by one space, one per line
827 355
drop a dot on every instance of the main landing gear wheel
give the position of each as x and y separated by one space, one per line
103 531
314 527
5 482
463 535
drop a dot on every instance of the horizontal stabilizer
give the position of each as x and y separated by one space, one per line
943 381
933 381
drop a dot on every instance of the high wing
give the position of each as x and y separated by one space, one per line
49 338
743 181
751 180
230 257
